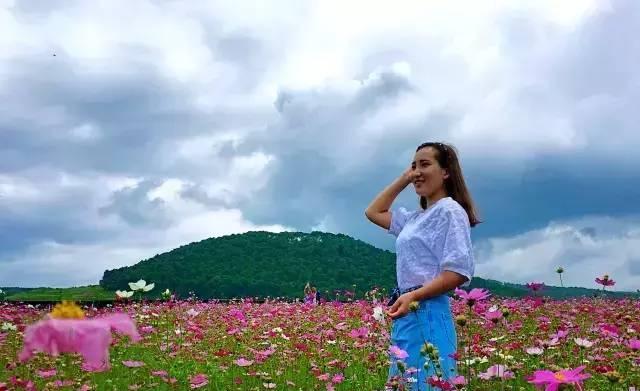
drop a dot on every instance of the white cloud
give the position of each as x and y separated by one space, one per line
586 248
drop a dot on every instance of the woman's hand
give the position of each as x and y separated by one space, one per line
401 306
409 175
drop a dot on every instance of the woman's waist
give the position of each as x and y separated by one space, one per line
441 301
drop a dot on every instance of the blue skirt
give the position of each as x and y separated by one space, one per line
432 322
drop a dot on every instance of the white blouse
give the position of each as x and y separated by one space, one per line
431 241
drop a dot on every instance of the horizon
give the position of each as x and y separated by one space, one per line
97 283
121 141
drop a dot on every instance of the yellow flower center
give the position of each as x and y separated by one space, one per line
559 376
67 310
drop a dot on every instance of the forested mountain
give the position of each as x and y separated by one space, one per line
261 264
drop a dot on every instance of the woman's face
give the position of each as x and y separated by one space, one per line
429 175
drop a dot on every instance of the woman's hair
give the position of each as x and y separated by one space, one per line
455 185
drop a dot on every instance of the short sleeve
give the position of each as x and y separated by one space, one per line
399 218
457 249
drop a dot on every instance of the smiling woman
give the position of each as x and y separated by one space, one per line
434 255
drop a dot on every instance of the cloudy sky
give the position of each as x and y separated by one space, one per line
130 128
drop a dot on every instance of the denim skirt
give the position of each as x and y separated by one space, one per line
433 323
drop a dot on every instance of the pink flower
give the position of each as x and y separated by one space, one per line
398 353
337 378
47 373
493 315
90 338
476 294
361 332
146 329
199 380
585 343
553 380
459 381
243 362
132 364
323 377
497 371
560 334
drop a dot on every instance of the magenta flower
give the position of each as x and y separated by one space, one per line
535 286
90 338
553 380
609 330
634 344
605 281
476 294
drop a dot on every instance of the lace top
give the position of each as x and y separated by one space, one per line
430 241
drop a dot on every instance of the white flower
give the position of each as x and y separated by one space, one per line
583 342
6 326
141 285
534 351
505 356
192 312
124 294
378 314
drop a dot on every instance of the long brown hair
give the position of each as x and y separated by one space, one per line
455 185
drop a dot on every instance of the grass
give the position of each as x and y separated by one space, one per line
81 294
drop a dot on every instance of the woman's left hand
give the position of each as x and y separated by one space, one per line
401 306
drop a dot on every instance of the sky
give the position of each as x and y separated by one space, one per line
128 129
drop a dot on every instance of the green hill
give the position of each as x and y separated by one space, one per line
260 264
81 293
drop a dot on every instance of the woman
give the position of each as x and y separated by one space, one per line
433 256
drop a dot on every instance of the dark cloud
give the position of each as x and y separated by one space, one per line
132 204
64 214
380 91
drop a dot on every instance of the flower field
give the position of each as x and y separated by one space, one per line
504 344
